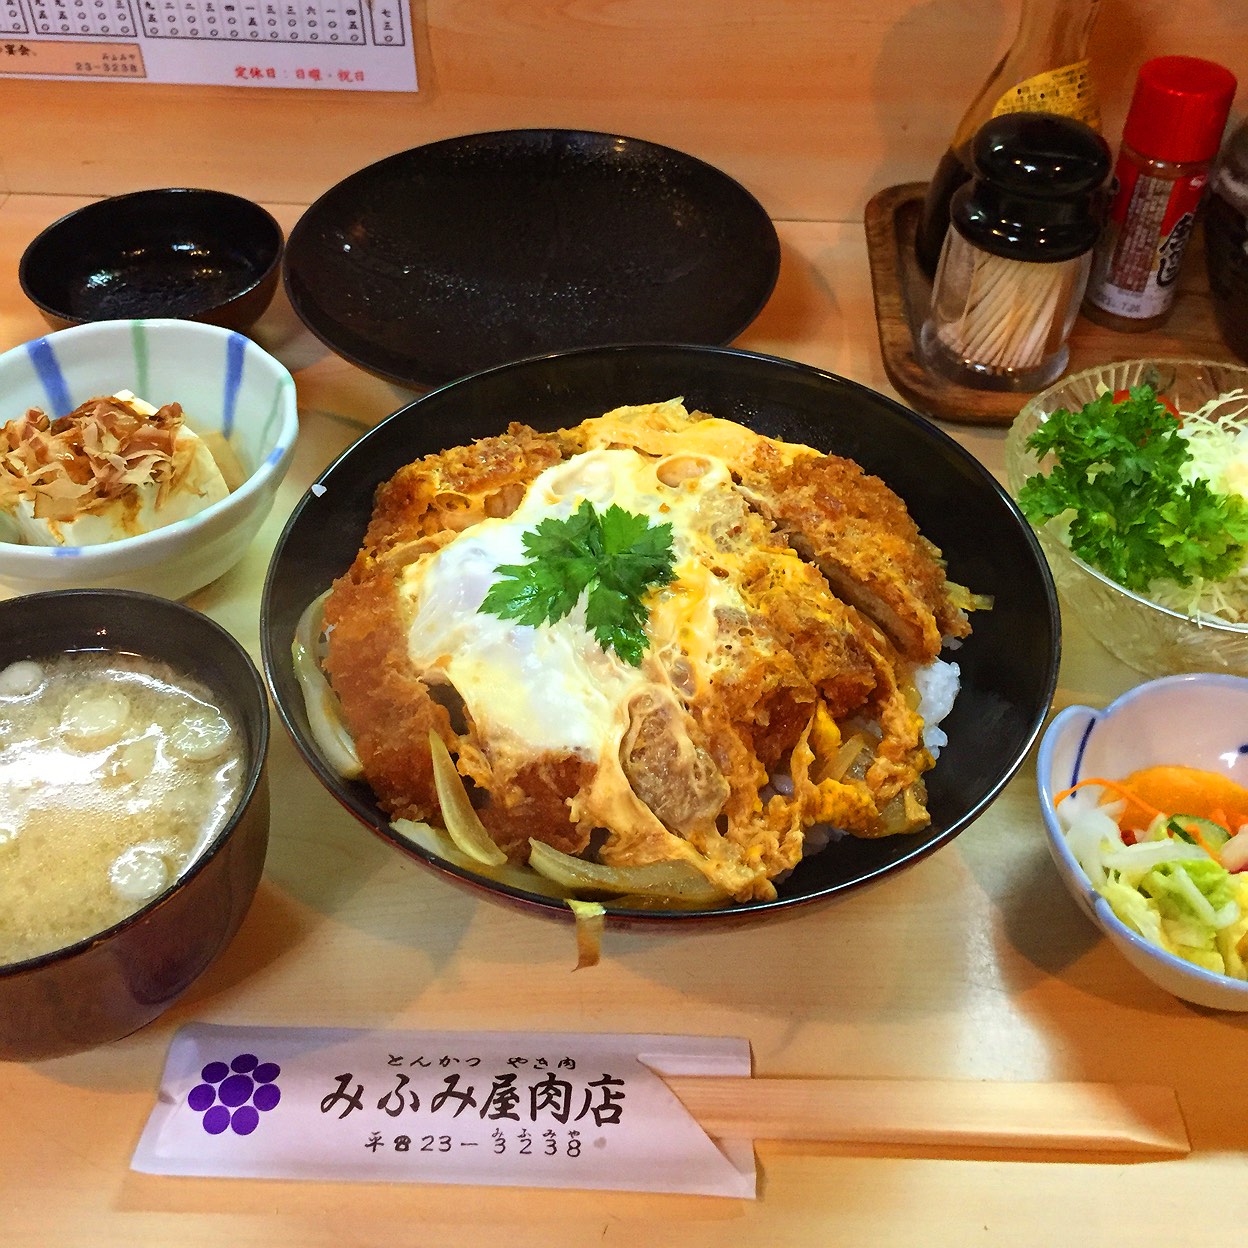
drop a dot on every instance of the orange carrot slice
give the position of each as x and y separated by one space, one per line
1137 815
1189 791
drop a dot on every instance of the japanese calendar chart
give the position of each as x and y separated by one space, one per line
312 44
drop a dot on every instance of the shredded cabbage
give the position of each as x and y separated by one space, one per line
1169 891
1217 439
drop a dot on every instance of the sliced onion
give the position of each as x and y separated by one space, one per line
679 882
591 921
846 755
904 813
437 841
324 713
962 597
425 836
462 822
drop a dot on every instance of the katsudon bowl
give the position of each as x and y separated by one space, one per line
1008 665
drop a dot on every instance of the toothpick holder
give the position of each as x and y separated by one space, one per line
1014 267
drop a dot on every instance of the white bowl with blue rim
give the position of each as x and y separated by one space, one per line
226 384
1196 720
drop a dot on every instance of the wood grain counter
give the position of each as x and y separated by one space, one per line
973 965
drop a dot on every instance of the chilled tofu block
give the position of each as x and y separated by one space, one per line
114 468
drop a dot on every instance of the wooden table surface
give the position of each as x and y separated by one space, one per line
973 965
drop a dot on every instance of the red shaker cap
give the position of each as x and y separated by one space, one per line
1179 109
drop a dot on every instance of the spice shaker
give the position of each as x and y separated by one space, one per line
1015 262
1226 242
1044 70
1172 133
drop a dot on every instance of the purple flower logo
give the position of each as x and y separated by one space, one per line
232 1098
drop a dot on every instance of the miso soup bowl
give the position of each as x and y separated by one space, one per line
116 981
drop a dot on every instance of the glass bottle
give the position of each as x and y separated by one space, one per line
1226 242
1015 261
1045 70
1172 133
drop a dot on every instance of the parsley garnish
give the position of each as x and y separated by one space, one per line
1132 513
613 558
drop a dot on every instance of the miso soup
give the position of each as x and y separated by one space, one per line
115 772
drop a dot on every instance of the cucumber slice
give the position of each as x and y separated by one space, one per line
1213 834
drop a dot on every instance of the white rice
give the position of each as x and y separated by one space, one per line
938 685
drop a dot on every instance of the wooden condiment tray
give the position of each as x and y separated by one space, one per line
902 292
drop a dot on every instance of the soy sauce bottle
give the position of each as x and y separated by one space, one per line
1226 242
1045 70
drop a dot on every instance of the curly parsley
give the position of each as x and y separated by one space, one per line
1132 512
614 558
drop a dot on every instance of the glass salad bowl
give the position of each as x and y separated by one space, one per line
1153 639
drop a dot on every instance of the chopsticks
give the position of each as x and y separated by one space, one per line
1082 1117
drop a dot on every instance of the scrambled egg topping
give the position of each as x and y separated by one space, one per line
776 691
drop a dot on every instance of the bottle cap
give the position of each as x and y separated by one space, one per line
1038 190
1179 109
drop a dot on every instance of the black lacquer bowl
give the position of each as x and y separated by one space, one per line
1008 666
190 253
462 254
108 985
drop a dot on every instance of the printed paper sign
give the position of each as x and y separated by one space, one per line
502 1108
354 45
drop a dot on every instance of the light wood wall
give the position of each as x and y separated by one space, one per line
813 104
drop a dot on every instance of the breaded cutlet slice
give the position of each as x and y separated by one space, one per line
860 535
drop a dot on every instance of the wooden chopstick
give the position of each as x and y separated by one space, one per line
1084 1117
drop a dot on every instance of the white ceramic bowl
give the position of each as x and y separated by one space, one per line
1154 640
225 383
1194 719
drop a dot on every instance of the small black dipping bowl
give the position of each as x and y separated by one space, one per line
197 255
110 984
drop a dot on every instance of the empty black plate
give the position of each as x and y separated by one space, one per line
466 253
1009 664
